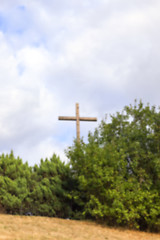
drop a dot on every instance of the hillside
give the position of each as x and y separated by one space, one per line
42 228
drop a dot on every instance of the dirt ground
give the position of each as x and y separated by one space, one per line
42 228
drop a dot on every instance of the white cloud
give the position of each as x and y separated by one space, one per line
26 105
102 54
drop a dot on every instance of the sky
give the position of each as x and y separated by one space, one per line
55 53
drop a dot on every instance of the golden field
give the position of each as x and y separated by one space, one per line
43 228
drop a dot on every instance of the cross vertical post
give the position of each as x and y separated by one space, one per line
77 122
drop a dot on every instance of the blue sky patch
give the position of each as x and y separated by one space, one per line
3 24
14 20
22 7
21 69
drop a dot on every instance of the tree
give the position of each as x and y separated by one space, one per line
118 170
14 183
49 194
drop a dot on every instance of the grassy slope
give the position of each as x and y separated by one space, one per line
26 228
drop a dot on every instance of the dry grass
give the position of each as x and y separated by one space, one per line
42 228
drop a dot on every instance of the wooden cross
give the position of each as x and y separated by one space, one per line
78 119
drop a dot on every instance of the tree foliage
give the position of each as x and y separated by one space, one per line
42 190
14 183
118 170
50 190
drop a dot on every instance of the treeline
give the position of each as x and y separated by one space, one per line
113 179
41 190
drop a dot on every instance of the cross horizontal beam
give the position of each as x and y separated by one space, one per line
80 118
